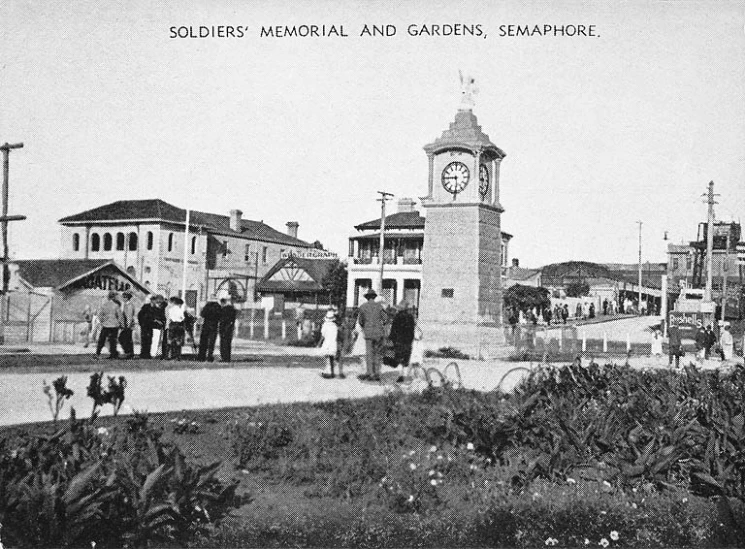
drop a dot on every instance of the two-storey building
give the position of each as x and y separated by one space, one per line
148 239
402 256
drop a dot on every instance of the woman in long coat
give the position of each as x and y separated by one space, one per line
402 336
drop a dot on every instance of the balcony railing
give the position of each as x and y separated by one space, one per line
396 260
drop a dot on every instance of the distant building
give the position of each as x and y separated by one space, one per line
297 279
686 265
514 274
147 238
402 271
47 297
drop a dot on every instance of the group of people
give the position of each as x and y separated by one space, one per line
368 336
705 340
164 327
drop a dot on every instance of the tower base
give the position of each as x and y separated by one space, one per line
483 342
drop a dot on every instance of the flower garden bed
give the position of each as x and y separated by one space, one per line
605 456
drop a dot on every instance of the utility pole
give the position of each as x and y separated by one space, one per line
725 272
384 197
709 241
640 266
5 218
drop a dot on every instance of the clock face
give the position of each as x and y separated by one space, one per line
455 177
483 181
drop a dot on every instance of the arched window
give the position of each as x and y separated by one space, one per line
150 240
107 240
120 241
193 245
75 242
95 242
170 242
132 242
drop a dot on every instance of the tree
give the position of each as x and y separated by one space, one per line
335 283
317 245
520 298
577 289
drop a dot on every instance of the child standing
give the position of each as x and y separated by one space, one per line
328 343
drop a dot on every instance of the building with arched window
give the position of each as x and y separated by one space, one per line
147 239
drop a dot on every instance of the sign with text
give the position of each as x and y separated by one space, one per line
689 323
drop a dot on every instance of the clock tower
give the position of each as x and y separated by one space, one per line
461 299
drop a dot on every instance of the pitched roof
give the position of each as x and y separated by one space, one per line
57 273
159 210
316 270
402 220
465 132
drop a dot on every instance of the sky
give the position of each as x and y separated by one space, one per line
600 131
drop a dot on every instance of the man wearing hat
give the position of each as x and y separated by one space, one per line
372 318
126 324
109 314
210 321
727 343
226 327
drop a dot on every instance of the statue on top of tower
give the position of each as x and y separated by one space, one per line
468 90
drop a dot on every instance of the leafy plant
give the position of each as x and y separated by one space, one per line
61 393
113 395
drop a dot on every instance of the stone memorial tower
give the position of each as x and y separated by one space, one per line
461 300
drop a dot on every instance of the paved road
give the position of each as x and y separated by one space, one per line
22 399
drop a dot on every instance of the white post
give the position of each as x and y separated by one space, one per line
186 253
284 329
251 325
561 338
266 323
628 343
584 341
605 342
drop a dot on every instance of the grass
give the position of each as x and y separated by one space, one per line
32 363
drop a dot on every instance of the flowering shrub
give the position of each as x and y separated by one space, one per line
184 426
113 395
61 393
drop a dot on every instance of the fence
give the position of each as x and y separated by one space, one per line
567 342
27 317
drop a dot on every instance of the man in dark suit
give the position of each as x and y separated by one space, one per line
211 313
674 345
372 318
226 328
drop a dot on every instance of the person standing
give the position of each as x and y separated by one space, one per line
372 319
727 343
674 347
591 310
299 318
657 343
127 324
88 317
226 328
710 341
109 315
605 306
402 336
565 313
328 344
175 329
144 319
210 321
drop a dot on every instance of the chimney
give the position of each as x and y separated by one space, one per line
235 220
292 228
405 205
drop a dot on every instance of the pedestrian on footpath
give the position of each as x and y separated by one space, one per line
565 313
657 343
372 319
175 328
88 317
700 340
210 321
328 343
709 342
727 343
126 325
402 336
226 328
109 314
674 347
